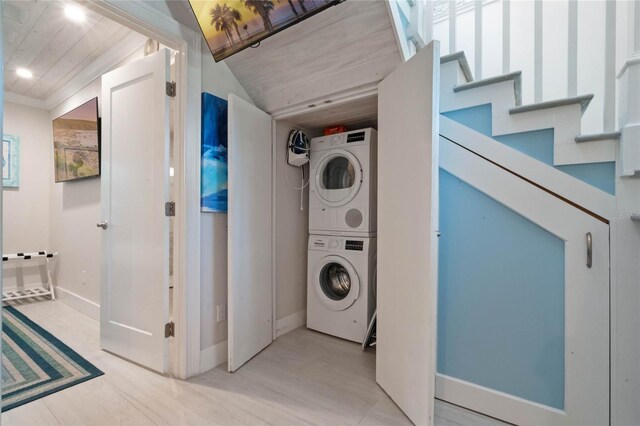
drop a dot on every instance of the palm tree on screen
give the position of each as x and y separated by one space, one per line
225 19
220 21
233 17
263 8
293 8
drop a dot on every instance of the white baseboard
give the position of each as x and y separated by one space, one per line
79 303
291 322
213 356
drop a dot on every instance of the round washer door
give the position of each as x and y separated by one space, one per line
336 283
338 178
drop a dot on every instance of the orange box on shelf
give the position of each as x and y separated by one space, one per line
333 130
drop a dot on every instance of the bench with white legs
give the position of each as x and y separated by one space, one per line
37 290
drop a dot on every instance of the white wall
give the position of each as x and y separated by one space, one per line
26 209
292 231
75 210
218 80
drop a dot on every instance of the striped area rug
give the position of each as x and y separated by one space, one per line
35 363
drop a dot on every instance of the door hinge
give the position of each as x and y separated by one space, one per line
169 329
170 208
171 89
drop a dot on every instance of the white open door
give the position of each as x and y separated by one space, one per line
134 304
407 233
250 232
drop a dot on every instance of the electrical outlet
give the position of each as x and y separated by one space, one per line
221 312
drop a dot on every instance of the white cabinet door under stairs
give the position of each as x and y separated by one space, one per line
250 232
407 233
523 303
134 302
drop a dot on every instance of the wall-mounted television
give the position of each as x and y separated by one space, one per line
230 26
76 143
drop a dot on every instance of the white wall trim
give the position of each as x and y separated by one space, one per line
291 322
274 204
574 190
213 356
398 31
25 100
634 60
79 303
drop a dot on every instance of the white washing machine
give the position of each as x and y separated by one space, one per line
341 285
343 184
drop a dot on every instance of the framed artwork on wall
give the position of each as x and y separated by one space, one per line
213 174
76 143
10 161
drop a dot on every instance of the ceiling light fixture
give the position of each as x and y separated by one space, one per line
74 13
24 73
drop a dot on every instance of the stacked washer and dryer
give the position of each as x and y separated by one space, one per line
342 228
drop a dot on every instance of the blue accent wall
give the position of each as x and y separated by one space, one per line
500 297
537 144
600 175
477 118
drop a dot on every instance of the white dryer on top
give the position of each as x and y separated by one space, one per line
343 187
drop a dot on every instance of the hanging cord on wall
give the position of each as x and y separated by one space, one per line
302 190
303 185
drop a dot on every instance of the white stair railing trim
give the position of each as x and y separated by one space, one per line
506 36
572 49
478 39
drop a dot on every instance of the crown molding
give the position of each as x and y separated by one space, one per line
25 100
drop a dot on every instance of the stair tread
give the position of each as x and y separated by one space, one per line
462 59
582 100
598 137
516 76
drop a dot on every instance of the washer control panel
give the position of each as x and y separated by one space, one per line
357 245
335 244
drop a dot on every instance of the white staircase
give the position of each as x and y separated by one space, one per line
533 162
509 116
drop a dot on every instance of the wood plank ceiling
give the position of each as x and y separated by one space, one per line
344 47
39 37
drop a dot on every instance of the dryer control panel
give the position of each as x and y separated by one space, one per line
367 136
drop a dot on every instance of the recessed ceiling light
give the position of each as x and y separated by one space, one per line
24 73
74 13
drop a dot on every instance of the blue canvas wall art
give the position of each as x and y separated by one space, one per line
213 176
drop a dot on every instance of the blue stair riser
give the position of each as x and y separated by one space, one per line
537 144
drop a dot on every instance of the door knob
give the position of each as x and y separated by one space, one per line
102 225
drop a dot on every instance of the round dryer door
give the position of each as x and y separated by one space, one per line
338 178
337 283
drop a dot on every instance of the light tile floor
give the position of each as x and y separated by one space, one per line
303 378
